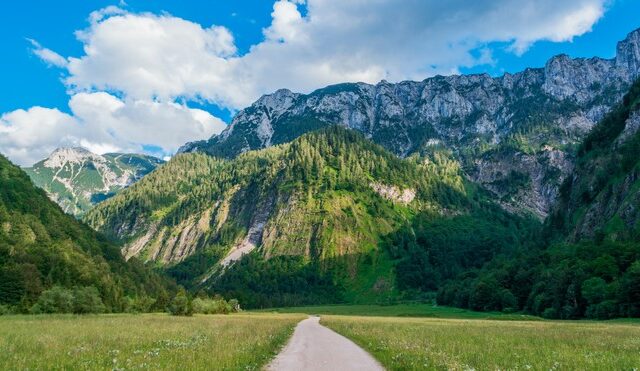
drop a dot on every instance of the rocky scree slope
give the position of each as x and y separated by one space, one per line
76 179
516 134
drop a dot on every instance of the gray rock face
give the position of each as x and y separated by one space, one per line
526 123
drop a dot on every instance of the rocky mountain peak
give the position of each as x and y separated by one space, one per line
628 53
74 155
280 99
496 126
77 178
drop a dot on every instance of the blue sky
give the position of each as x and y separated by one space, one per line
138 91
28 82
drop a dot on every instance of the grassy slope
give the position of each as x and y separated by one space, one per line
153 341
436 344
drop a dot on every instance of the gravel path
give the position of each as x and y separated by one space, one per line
315 347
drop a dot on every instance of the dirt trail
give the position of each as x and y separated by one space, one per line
314 347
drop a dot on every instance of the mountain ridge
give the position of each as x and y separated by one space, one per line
537 114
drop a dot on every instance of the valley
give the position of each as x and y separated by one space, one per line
251 340
309 185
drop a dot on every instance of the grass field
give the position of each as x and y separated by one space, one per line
146 341
424 343
247 341
400 310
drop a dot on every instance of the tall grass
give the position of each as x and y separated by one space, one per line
457 344
149 341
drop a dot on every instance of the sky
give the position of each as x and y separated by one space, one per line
148 76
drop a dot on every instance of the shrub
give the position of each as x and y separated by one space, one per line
181 304
87 300
55 300
80 300
235 305
5 309
141 304
604 310
216 305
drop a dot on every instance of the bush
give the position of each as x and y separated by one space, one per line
235 305
141 304
87 300
604 310
55 300
181 305
216 305
5 309
80 300
550 313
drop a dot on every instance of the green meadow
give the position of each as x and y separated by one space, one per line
401 310
479 344
401 337
144 341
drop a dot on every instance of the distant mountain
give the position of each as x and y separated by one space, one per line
77 179
311 214
42 247
516 135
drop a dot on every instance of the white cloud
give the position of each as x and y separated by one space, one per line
149 56
47 55
100 14
153 61
163 57
103 123
286 24
27 134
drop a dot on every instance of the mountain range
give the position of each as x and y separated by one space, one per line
511 193
321 203
524 126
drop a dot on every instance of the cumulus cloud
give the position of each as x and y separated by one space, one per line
151 61
147 55
103 123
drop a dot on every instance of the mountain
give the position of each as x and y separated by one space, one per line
77 179
601 200
516 135
41 247
589 264
310 215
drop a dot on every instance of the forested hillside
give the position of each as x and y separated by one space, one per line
333 217
315 210
590 262
42 249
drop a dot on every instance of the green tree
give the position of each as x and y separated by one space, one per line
55 300
181 305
